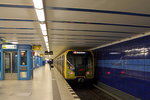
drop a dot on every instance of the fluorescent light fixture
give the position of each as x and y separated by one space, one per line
38 4
45 38
14 42
47 44
43 27
48 49
44 32
40 14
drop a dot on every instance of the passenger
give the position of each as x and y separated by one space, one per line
50 62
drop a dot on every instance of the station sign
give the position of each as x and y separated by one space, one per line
7 46
36 47
41 54
48 52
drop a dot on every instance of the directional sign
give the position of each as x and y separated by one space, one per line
49 53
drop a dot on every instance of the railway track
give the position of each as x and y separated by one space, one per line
89 92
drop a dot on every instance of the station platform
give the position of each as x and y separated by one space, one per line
46 85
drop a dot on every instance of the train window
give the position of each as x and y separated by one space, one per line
90 62
70 59
79 60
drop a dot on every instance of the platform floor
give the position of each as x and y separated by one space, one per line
42 87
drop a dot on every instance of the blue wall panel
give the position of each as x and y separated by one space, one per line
38 61
126 66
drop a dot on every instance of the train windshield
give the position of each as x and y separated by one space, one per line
80 61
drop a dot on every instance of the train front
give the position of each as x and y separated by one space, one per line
80 65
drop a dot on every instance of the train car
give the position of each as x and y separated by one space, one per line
76 65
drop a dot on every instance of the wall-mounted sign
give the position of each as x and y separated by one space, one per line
41 54
7 46
36 47
49 53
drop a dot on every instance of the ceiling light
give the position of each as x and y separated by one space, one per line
43 27
14 42
45 38
48 49
44 32
40 14
47 45
38 4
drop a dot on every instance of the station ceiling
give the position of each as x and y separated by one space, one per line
80 24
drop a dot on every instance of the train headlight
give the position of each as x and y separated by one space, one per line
70 72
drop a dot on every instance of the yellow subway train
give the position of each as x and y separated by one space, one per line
76 65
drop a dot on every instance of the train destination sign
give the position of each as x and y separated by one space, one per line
77 52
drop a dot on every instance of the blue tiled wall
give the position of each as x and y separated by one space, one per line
38 61
126 66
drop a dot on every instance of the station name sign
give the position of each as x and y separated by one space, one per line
7 46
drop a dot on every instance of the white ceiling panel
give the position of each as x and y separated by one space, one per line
91 22
138 6
17 13
60 15
85 37
97 27
87 33
17 2
18 24
17 31
80 24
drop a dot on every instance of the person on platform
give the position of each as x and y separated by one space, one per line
50 62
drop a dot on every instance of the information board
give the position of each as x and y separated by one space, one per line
6 46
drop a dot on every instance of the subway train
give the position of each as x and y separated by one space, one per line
76 65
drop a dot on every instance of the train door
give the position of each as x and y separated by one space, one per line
80 65
10 66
